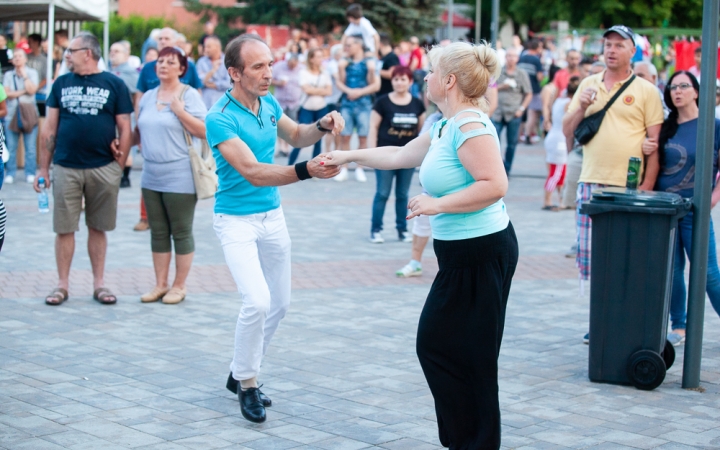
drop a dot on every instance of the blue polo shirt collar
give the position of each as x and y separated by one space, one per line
242 107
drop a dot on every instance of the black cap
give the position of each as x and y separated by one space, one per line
622 30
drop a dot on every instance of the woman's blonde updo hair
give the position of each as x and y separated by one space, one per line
472 65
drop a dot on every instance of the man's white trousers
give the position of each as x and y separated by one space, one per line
257 252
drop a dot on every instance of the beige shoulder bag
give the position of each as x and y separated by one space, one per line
203 164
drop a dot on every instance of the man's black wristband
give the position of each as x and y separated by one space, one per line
301 171
319 127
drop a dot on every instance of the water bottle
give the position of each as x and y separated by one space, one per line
43 204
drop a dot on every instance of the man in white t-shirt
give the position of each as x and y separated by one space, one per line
360 25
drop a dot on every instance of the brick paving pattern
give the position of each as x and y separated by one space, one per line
341 370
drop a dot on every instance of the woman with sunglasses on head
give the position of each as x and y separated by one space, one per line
678 149
461 325
166 113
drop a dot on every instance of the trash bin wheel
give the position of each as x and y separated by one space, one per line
646 370
668 354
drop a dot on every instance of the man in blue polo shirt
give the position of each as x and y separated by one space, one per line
242 128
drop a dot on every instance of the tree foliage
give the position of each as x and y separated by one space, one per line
538 14
604 13
400 18
133 28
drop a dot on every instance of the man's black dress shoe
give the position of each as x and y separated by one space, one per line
232 386
251 405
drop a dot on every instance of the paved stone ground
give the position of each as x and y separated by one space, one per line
342 370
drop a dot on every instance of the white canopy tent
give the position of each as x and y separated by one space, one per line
52 10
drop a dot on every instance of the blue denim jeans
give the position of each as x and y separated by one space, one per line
356 114
306 116
678 312
513 133
384 179
30 141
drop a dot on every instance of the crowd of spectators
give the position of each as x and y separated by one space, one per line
540 95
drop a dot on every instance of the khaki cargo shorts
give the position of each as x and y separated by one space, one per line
99 186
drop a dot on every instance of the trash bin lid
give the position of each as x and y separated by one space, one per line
632 197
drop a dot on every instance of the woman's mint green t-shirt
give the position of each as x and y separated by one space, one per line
442 173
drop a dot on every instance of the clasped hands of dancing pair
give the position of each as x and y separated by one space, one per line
419 205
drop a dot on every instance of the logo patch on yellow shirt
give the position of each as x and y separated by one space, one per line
629 100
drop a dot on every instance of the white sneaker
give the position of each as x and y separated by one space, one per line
9 179
30 179
342 176
360 175
409 271
404 236
376 238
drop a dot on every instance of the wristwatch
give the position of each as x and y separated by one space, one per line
321 128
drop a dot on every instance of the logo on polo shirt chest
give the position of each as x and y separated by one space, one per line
273 121
629 100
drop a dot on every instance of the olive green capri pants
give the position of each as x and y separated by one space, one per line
170 215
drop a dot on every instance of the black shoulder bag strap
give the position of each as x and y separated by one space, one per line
589 126
618 93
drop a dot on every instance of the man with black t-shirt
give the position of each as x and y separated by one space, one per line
84 108
388 60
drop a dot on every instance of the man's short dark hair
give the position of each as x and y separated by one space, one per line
233 49
90 42
698 51
385 39
586 61
354 11
217 38
61 33
35 38
359 39
533 44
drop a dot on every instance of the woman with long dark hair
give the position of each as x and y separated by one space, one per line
678 145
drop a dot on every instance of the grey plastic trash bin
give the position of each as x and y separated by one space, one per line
633 248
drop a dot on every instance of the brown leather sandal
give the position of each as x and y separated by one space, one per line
104 296
56 297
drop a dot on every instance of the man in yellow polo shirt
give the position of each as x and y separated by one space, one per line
635 118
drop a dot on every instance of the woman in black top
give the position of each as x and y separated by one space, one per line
396 119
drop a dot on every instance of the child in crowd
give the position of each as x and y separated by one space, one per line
556 148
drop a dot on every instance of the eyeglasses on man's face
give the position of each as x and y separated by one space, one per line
70 51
